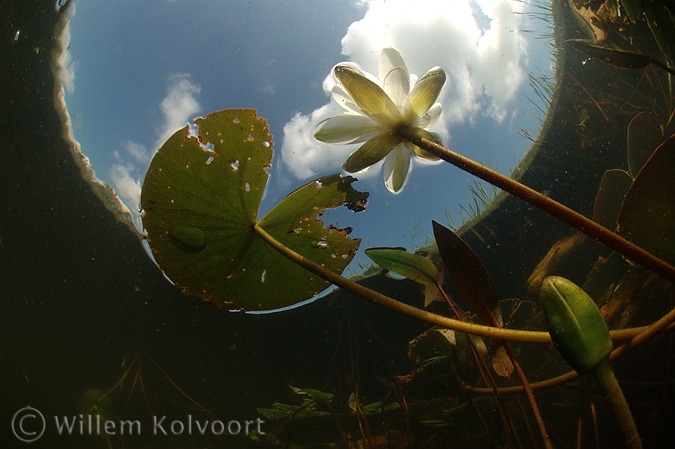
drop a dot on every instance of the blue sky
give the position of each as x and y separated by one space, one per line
138 71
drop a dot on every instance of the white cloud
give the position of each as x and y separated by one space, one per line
178 106
127 186
483 57
138 152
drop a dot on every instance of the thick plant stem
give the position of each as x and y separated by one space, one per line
617 402
551 207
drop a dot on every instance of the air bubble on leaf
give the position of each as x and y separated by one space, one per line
209 160
320 244
235 165
247 187
263 275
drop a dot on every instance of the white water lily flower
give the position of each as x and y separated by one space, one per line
376 113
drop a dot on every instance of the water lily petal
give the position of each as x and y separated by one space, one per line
371 152
368 96
430 117
394 75
343 99
344 129
424 93
419 152
396 167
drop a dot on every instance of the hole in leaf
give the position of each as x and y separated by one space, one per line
320 244
266 144
318 184
209 160
235 165
236 120
250 138
263 275
247 187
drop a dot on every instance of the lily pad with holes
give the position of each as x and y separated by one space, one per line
200 201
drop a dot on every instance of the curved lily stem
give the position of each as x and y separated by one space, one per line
551 207
423 315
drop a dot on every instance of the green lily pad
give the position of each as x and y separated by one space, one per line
647 216
644 136
200 199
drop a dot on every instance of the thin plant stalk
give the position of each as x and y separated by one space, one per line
521 375
551 207
431 318
604 375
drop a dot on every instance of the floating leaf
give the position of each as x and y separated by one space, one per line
610 53
613 187
200 199
575 323
647 216
644 136
468 274
413 266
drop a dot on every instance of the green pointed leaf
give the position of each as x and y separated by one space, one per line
575 323
425 92
200 208
647 216
368 96
285 411
610 53
319 397
413 266
469 275
371 152
644 136
613 187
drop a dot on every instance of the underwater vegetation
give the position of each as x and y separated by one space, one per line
559 357
200 200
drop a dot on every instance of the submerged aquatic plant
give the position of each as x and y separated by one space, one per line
375 114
